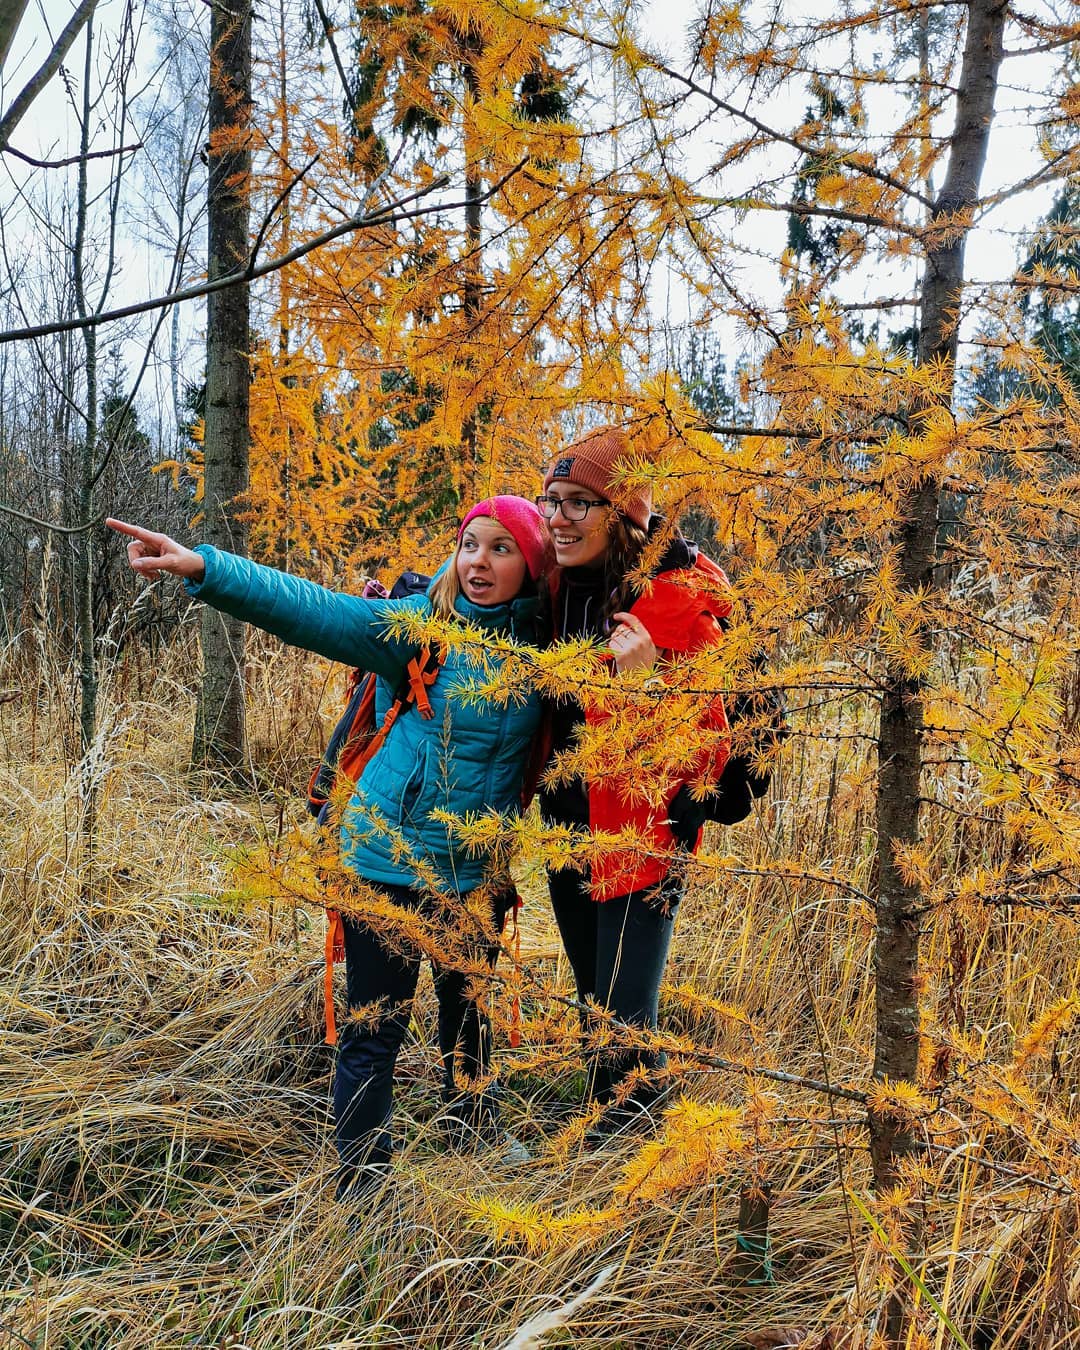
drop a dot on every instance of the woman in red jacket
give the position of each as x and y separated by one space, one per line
616 917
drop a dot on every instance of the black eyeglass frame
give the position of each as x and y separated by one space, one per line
582 504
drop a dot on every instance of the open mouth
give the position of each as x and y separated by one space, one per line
479 584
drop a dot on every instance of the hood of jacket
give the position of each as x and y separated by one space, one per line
680 592
679 554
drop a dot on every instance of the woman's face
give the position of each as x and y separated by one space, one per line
490 566
584 542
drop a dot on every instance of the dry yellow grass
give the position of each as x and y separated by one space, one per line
167 1173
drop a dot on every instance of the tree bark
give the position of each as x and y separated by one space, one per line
11 12
473 282
900 731
896 957
219 740
84 510
52 63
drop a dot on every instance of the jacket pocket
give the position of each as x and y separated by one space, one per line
413 791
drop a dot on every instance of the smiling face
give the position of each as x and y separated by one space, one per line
490 567
579 543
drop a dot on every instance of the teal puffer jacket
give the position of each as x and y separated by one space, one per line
469 756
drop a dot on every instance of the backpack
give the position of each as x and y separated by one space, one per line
744 778
356 738
354 742
741 783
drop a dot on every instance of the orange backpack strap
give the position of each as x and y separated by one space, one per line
335 952
346 753
422 671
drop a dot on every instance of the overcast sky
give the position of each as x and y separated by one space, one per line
51 129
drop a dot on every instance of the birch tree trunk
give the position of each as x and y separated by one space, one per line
219 740
84 553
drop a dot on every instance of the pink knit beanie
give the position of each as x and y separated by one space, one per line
593 462
523 521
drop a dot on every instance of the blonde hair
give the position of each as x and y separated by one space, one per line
446 588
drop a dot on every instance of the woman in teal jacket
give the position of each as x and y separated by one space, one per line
470 756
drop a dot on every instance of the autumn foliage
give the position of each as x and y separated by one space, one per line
873 1002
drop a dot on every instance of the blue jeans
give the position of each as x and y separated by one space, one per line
618 951
367 1051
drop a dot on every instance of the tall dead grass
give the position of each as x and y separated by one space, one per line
167 1174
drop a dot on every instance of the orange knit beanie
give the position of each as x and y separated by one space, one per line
594 462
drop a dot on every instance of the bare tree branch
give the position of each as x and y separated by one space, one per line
45 525
386 215
19 108
277 202
1061 166
790 434
328 31
71 159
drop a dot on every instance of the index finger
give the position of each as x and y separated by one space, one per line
136 531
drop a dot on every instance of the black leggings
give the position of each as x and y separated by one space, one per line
617 950
368 1049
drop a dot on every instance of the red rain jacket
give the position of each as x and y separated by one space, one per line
682 612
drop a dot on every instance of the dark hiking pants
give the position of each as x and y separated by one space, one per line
385 975
617 950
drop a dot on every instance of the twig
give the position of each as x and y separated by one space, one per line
703 1056
324 19
272 212
789 433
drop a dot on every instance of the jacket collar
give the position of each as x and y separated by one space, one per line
516 617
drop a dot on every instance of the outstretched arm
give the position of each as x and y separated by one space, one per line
343 627
150 552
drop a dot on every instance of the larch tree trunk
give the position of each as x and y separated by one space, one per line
896 957
473 284
219 741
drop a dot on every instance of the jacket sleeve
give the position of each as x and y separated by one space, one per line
341 627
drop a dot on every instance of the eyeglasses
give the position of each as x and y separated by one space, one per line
573 508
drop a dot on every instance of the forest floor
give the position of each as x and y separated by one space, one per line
167 1175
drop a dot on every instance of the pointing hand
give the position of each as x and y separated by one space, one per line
150 552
